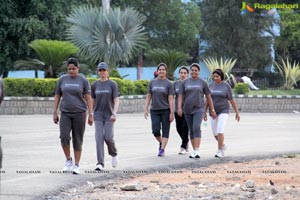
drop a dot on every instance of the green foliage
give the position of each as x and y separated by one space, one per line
275 92
290 73
115 73
18 87
92 80
141 86
229 34
25 21
241 88
121 85
44 87
170 24
29 87
172 59
287 45
51 54
114 37
130 87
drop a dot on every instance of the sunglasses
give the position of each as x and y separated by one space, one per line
102 70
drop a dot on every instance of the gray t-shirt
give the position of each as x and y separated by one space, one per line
73 90
160 91
220 94
176 86
193 92
104 94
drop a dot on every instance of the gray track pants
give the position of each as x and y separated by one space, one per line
104 132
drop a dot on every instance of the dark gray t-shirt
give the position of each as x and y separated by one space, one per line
220 94
160 91
104 94
73 90
176 86
193 92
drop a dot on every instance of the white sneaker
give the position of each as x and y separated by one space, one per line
76 169
114 161
182 151
219 154
99 167
68 165
197 154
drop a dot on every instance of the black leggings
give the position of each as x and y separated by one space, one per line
182 129
160 119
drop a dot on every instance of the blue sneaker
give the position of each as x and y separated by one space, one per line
161 153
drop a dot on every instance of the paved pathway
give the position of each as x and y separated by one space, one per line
31 144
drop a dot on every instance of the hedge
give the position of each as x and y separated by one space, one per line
45 87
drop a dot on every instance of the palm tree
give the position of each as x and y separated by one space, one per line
113 37
226 65
290 73
51 56
172 59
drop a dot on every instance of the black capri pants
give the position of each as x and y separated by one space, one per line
160 119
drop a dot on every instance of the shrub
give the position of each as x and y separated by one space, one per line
19 86
241 88
44 87
121 85
129 87
141 86
91 80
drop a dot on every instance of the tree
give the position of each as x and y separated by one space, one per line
172 59
51 54
113 37
228 34
25 21
287 45
170 24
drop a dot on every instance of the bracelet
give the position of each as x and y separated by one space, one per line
92 114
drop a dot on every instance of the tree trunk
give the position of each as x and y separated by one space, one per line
106 5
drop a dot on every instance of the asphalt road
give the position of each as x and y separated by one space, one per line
33 159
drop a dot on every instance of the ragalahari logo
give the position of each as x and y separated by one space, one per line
270 7
246 8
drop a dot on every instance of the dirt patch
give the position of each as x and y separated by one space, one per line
277 178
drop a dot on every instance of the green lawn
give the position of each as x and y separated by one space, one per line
275 92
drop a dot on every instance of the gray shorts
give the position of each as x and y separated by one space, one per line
75 123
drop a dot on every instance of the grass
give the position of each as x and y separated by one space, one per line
275 92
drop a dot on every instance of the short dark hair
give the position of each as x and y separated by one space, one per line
219 72
184 68
73 61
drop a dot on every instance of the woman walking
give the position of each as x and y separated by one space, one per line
221 93
74 92
181 125
160 94
191 96
105 95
